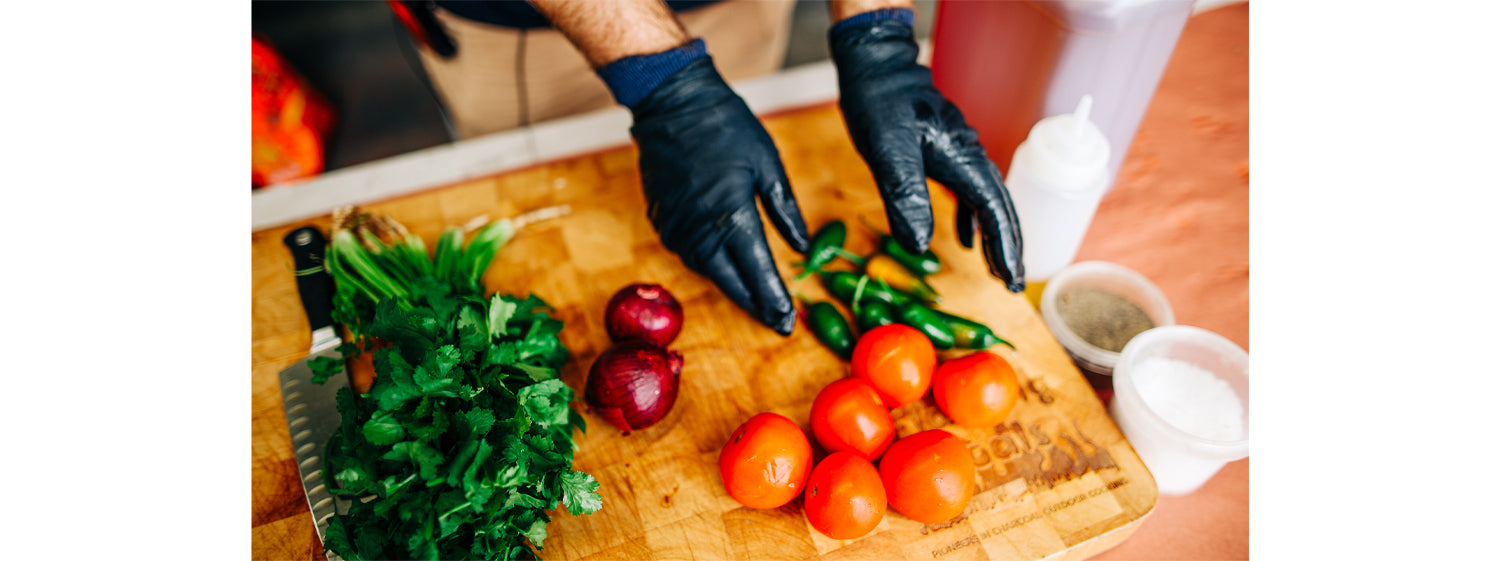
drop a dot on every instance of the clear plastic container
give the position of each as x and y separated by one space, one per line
1008 64
1107 277
1179 457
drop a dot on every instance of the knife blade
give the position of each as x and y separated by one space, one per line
312 415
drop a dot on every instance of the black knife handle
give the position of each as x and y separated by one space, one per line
313 281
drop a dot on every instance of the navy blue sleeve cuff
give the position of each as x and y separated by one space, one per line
906 15
632 78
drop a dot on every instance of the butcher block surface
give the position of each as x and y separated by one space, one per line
1056 480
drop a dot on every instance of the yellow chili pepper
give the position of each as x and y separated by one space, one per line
883 268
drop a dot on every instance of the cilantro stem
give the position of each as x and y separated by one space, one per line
389 259
397 487
346 278
481 251
359 260
445 515
416 254
449 251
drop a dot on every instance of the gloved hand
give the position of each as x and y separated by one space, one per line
907 131
704 160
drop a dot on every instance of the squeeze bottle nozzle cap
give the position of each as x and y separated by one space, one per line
1068 148
1073 136
1081 115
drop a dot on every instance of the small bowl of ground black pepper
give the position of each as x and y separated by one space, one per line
1094 308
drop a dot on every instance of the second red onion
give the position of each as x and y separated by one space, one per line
633 384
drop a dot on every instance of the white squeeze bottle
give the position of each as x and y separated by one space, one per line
1057 176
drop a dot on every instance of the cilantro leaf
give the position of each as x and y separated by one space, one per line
426 458
581 493
451 524
473 332
395 385
348 409
433 375
500 313
325 367
334 538
518 498
541 343
384 428
428 427
416 328
531 308
438 363
515 466
577 422
479 421
537 531
353 480
478 490
547 402
536 373
507 353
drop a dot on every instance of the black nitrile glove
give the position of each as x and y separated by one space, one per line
907 131
704 159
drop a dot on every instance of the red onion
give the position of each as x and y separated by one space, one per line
633 384
643 311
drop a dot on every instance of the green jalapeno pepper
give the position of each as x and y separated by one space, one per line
825 245
927 321
970 334
873 314
922 265
830 327
842 284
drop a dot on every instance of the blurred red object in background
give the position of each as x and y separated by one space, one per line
289 121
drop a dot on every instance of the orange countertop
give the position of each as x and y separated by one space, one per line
1180 215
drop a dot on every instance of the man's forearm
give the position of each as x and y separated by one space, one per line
841 9
606 31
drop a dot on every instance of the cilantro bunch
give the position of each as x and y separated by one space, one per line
464 441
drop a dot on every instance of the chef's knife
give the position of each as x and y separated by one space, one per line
311 411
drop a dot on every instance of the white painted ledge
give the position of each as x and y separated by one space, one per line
460 161
465 160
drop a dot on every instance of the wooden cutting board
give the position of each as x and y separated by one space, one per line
1055 481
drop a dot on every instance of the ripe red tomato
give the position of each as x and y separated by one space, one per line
928 476
977 390
849 416
845 498
897 360
766 461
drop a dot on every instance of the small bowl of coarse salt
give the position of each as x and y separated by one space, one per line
1182 399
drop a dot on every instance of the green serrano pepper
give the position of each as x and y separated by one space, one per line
920 265
874 313
825 245
830 327
842 284
970 334
927 321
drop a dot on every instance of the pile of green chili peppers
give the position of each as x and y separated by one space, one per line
874 301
